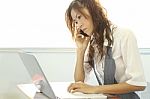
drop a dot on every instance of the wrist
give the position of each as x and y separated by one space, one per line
80 54
97 89
80 50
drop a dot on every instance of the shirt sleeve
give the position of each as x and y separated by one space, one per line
131 57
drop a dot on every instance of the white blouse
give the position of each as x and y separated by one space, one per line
127 59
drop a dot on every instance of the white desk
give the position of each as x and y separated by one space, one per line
59 88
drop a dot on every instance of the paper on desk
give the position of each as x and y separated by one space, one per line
29 89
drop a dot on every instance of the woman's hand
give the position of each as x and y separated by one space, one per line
81 40
81 87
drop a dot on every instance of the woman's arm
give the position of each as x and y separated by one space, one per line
82 43
120 88
79 74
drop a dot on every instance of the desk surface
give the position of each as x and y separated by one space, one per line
60 90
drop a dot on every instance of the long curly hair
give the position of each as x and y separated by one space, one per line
102 26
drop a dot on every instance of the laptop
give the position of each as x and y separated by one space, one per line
51 90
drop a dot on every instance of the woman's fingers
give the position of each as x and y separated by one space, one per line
80 36
76 90
70 87
76 31
73 87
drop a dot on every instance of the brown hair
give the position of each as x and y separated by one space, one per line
100 21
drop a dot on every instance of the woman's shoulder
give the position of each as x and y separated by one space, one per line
122 32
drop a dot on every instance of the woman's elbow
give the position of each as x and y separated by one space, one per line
142 88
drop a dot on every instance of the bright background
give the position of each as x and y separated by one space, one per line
41 23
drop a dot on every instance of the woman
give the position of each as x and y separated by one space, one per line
110 51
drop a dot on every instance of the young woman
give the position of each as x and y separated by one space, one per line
110 51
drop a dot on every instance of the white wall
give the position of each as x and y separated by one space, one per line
40 23
12 72
146 65
57 64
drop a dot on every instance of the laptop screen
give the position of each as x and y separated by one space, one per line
37 74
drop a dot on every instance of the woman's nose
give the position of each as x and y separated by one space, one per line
79 25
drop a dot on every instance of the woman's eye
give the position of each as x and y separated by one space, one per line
79 17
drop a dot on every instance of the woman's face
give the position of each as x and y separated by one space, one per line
81 22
